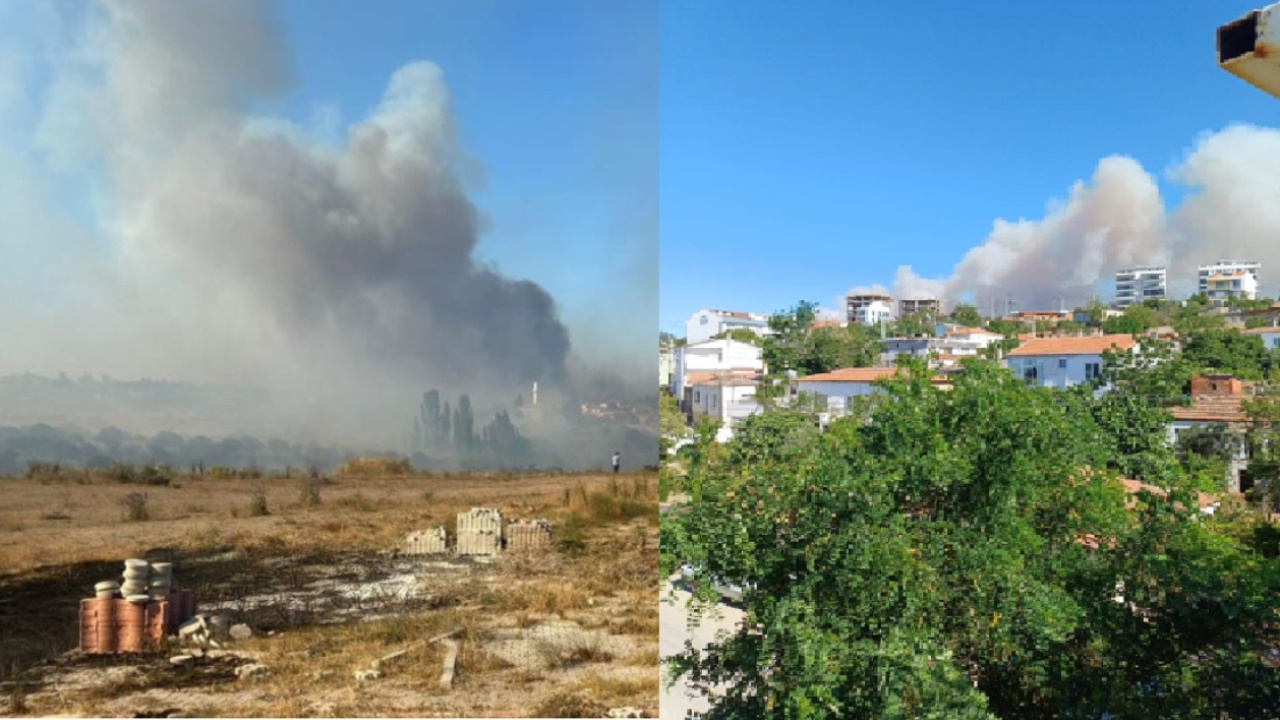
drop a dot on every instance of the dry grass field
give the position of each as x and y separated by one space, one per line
310 565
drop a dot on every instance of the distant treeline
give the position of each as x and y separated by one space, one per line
20 446
441 430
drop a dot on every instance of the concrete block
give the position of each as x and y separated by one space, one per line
480 532
528 535
427 542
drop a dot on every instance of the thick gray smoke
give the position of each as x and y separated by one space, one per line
229 247
1118 219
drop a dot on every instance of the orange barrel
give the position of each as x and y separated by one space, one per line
131 622
97 626
157 618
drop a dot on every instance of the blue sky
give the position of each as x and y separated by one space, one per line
810 148
558 100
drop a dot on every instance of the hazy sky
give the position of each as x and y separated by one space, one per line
553 116
810 149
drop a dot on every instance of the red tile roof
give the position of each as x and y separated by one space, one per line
1094 345
865 375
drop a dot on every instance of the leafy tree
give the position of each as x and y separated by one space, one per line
927 563
966 315
1196 315
829 348
1095 314
783 347
745 335
1227 351
1008 328
671 422
920 323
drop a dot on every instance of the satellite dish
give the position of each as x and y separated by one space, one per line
791 374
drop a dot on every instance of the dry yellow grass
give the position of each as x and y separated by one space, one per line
61 533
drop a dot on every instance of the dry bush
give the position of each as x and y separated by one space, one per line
569 705
309 491
258 502
135 507
365 467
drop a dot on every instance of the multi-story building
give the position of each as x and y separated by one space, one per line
873 313
701 361
706 324
913 306
1221 287
855 303
1227 267
1136 285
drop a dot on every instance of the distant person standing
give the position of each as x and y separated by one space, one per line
617 463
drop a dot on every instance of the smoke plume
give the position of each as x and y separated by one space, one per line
1118 219
224 246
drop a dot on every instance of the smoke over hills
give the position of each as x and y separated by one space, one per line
222 246
1118 219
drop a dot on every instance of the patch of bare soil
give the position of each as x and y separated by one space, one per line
343 625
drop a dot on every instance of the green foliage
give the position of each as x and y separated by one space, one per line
966 315
745 335
920 323
1008 328
1135 320
1227 351
926 564
797 345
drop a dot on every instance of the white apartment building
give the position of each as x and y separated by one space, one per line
855 303
1063 362
1221 287
706 324
1227 267
1138 284
699 362
873 313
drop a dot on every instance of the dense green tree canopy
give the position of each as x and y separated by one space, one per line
927 562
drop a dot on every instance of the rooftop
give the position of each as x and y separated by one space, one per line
1088 345
864 375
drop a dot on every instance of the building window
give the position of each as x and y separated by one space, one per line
697 396
1092 370
1062 362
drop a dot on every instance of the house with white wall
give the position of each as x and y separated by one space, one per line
706 324
714 357
726 399
1064 361
1270 336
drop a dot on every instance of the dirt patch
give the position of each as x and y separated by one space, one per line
327 597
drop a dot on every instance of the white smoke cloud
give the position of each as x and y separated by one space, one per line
330 263
1118 219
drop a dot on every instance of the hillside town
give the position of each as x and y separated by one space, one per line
1224 337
